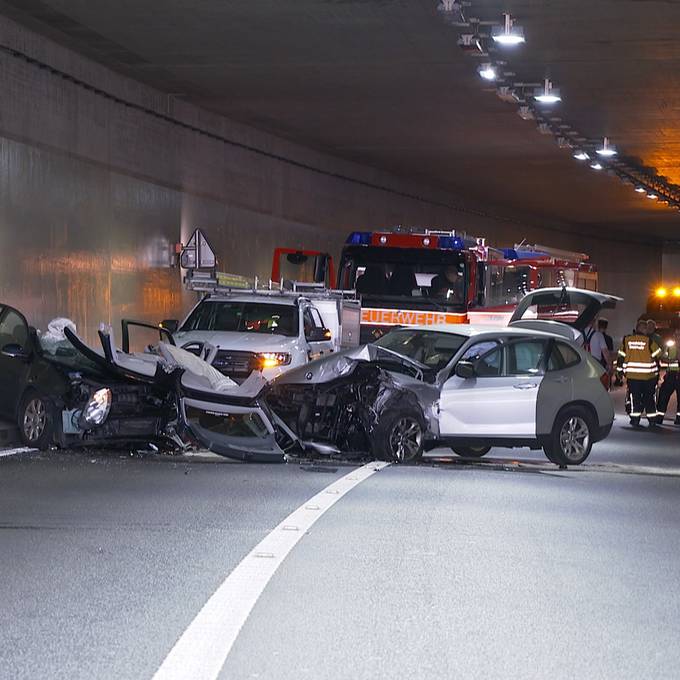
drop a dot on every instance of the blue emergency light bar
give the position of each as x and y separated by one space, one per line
512 254
453 242
363 238
359 238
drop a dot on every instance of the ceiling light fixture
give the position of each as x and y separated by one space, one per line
509 34
653 196
581 156
525 113
547 94
640 189
606 151
487 72
596 166
453 12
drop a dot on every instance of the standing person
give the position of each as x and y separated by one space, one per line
637 360
651 332
602 347
588 333
671 381
601 344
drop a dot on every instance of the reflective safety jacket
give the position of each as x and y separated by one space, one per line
638 357
669 358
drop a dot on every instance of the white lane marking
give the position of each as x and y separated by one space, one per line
201 651
14 452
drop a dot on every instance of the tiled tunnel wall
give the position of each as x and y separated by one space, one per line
94 193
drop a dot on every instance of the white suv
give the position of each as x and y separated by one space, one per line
254 332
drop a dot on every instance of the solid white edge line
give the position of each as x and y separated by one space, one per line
201 651
14 452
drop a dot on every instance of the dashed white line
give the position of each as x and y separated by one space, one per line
201 651
14 452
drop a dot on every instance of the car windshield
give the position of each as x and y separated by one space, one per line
62 351
417 277
433 349
244 317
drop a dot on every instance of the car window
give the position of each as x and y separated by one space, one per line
308 321
474 352
434 349
318 321
243 317
562 356
526 357
490 365
13 330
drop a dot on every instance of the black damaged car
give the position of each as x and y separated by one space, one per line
62 392
57 394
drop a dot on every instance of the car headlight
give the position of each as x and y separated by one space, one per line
273 359
97 409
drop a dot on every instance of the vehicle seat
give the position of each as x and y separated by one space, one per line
402 282
373 281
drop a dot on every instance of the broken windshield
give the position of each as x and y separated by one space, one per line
432 349
63 352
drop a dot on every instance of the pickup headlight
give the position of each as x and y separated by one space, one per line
273 359
97 409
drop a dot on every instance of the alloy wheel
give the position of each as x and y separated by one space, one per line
405 439
35 419
574 438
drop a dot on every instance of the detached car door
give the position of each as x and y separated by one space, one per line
500 400
14 370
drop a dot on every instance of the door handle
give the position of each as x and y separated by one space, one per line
561 379
525 386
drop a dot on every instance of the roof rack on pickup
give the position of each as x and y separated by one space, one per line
222 283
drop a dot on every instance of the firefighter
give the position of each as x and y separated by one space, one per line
671 381
638 361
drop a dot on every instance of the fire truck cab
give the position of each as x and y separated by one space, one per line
409 278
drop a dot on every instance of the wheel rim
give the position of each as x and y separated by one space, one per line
405 439
574 438
35 419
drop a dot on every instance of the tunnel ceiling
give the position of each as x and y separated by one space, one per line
383 82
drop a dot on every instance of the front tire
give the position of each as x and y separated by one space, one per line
571 439
36 421
471 451
398 438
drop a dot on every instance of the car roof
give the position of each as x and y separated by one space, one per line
474 331
262 298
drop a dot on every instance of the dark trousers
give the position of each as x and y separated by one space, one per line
642 399
670 384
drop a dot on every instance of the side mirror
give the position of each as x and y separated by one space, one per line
170 325
465 370
318 335
15 351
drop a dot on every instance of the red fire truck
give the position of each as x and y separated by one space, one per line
510 273
433 277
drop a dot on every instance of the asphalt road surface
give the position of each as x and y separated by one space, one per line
510 568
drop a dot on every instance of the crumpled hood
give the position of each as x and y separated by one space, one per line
329 367
237 341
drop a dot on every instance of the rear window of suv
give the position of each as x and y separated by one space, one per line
562 356
244 317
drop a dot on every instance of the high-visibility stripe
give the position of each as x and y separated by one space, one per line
622 353
656 352
635 415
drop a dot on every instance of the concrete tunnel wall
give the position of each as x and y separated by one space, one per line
94 193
